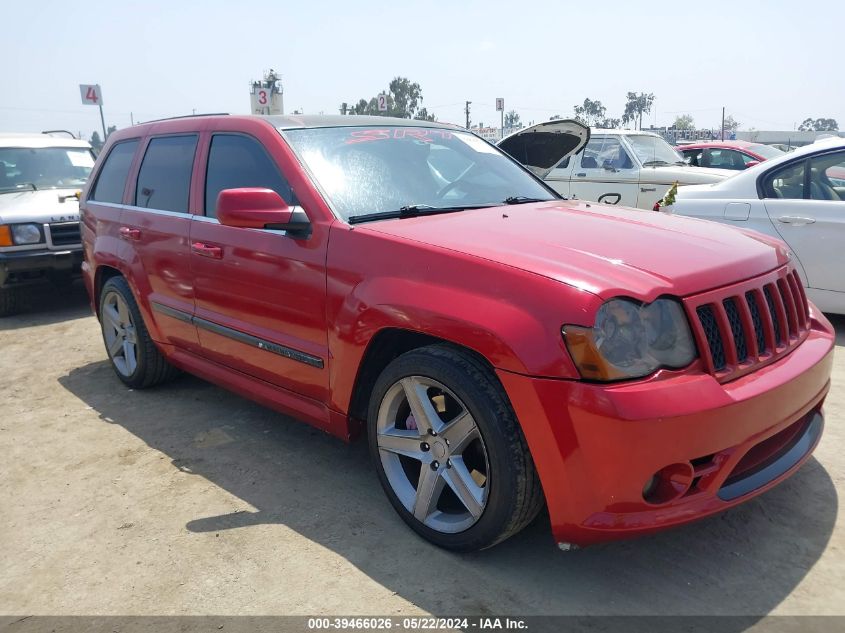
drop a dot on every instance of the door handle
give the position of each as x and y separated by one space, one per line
129 234
581 174
646 189
795 220
207 250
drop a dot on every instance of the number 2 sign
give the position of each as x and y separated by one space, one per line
382 103
91 94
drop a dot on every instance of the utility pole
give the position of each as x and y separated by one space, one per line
466 109
723 123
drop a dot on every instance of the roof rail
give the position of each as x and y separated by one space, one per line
184 116
57 131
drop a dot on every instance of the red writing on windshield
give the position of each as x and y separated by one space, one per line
379 134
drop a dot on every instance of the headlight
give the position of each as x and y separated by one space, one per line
631 340
26 234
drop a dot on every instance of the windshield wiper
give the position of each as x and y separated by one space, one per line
18 187
412 211
521 200
654 162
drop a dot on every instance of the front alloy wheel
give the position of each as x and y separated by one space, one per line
449 451
433 454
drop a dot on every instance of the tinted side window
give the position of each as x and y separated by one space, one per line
165 176
786 182
112 178
236 161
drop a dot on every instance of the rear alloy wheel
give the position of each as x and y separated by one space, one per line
119 334
133 354
448 450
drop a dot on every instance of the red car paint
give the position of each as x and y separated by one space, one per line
501 282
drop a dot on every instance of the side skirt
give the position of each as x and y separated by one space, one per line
269 395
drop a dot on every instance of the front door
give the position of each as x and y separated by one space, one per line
605 172
260 294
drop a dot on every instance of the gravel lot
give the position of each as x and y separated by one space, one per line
187 499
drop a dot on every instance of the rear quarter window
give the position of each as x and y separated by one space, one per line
111 180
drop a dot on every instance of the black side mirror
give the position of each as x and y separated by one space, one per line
608 165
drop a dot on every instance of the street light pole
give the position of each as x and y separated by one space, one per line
467 112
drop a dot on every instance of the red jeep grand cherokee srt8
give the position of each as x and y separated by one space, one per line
503 347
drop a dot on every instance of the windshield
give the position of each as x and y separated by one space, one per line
653 150
44 167
373 170
766 151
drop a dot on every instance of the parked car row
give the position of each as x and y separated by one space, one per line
501 347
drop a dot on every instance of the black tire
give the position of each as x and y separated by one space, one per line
151 367
11 301
515 496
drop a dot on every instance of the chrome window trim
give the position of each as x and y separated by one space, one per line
132 207
191 216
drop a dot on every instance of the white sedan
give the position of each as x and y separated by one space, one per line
799 198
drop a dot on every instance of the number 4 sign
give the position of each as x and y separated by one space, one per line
91 94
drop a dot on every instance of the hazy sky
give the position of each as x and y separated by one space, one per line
771 64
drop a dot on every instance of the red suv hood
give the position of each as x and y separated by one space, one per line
605 250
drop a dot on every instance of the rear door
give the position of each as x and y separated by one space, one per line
155 227
260 294
807 206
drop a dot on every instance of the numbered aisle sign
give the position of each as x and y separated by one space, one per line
500 105
382 103
91 94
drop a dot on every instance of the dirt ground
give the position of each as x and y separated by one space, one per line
187 499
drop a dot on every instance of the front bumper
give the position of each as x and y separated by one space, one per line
596 447
18 268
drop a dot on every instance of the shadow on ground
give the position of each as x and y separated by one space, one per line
742 562
47 304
